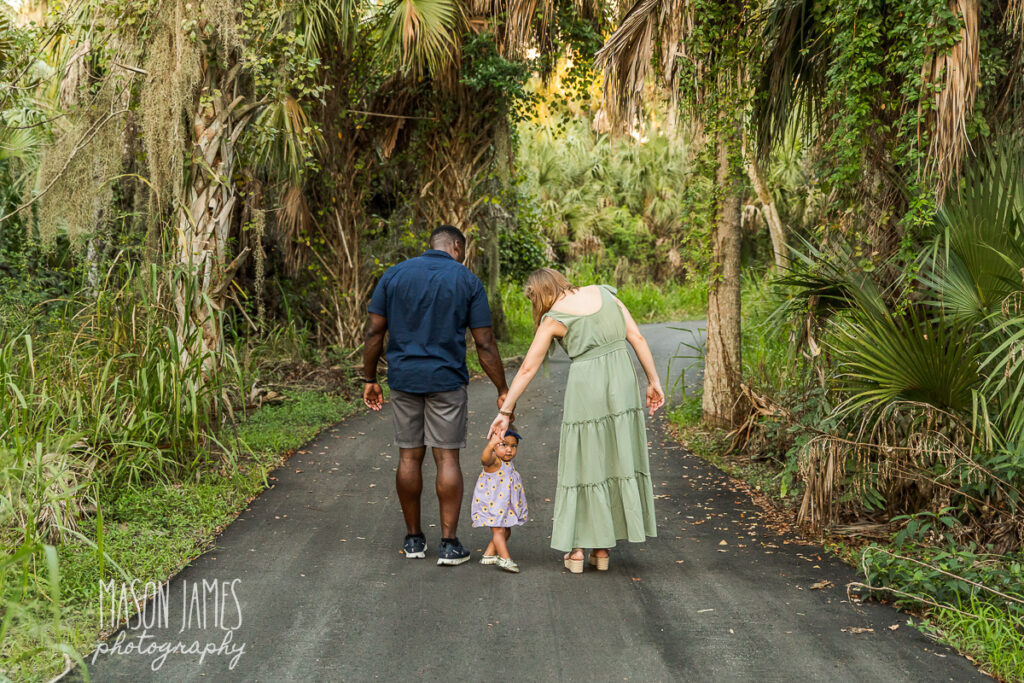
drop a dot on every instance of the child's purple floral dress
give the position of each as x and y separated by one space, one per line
499 499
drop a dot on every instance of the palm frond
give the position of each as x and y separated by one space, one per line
906 358
6 43
286 138
791 84
825 284
522 29
322 22
626 58
422 34
975 262
1013 17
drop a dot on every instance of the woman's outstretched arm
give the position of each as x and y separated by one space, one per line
655 394
546 332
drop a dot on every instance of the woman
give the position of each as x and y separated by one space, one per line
604 486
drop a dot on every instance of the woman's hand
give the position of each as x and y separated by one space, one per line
655 397
498 427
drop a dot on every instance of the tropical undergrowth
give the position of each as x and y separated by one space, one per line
887 413
119 460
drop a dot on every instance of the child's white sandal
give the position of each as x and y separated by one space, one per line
508 564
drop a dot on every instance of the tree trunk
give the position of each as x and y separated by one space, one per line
503 163
771 216
204 223
722 360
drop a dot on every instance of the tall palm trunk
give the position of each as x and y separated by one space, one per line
503 162
204 219
722 361
771 215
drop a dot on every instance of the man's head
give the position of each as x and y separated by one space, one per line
450 239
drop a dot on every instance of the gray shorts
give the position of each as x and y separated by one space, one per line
438 419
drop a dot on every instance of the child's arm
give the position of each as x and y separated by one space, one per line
488 459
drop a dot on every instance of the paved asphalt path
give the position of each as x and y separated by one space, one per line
324 594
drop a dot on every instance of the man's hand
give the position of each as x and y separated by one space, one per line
501 402
373 396
373 344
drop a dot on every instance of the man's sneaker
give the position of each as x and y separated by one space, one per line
415 546
451 553
489 559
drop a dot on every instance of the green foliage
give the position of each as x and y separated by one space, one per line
431 46
688 413
637 206
948 574
905 358
280 428
866 81
987 634
484 69
146 525
523 250
974 600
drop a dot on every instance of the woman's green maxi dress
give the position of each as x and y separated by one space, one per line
604 475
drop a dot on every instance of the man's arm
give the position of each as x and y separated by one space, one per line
490 359
373 345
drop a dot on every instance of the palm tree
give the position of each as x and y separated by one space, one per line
427 38
713 39
802 61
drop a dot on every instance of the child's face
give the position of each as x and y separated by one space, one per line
506 448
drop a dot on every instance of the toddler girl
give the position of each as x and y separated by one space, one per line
499 501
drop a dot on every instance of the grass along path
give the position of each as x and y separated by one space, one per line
151 532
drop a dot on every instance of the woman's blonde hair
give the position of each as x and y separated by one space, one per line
543 288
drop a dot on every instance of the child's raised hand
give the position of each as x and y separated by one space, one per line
498 427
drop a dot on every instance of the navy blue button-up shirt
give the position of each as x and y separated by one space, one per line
429 301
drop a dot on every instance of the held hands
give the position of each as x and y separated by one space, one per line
498 427
655 397
373 396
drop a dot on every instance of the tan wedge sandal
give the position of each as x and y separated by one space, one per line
601 563
574 566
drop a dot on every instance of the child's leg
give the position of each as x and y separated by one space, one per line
489 550
498 539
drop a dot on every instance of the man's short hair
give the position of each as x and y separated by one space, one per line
445 234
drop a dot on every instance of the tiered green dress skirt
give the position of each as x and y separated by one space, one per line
604 489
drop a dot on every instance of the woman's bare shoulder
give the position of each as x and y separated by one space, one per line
584 301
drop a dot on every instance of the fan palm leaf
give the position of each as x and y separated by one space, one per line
912 358
975 261
826 284
422 35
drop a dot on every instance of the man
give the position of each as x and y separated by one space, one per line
426 303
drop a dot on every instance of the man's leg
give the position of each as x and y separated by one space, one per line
444 430
409 482
408 416
449 489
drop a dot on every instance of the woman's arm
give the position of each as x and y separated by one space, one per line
546 333
655 394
